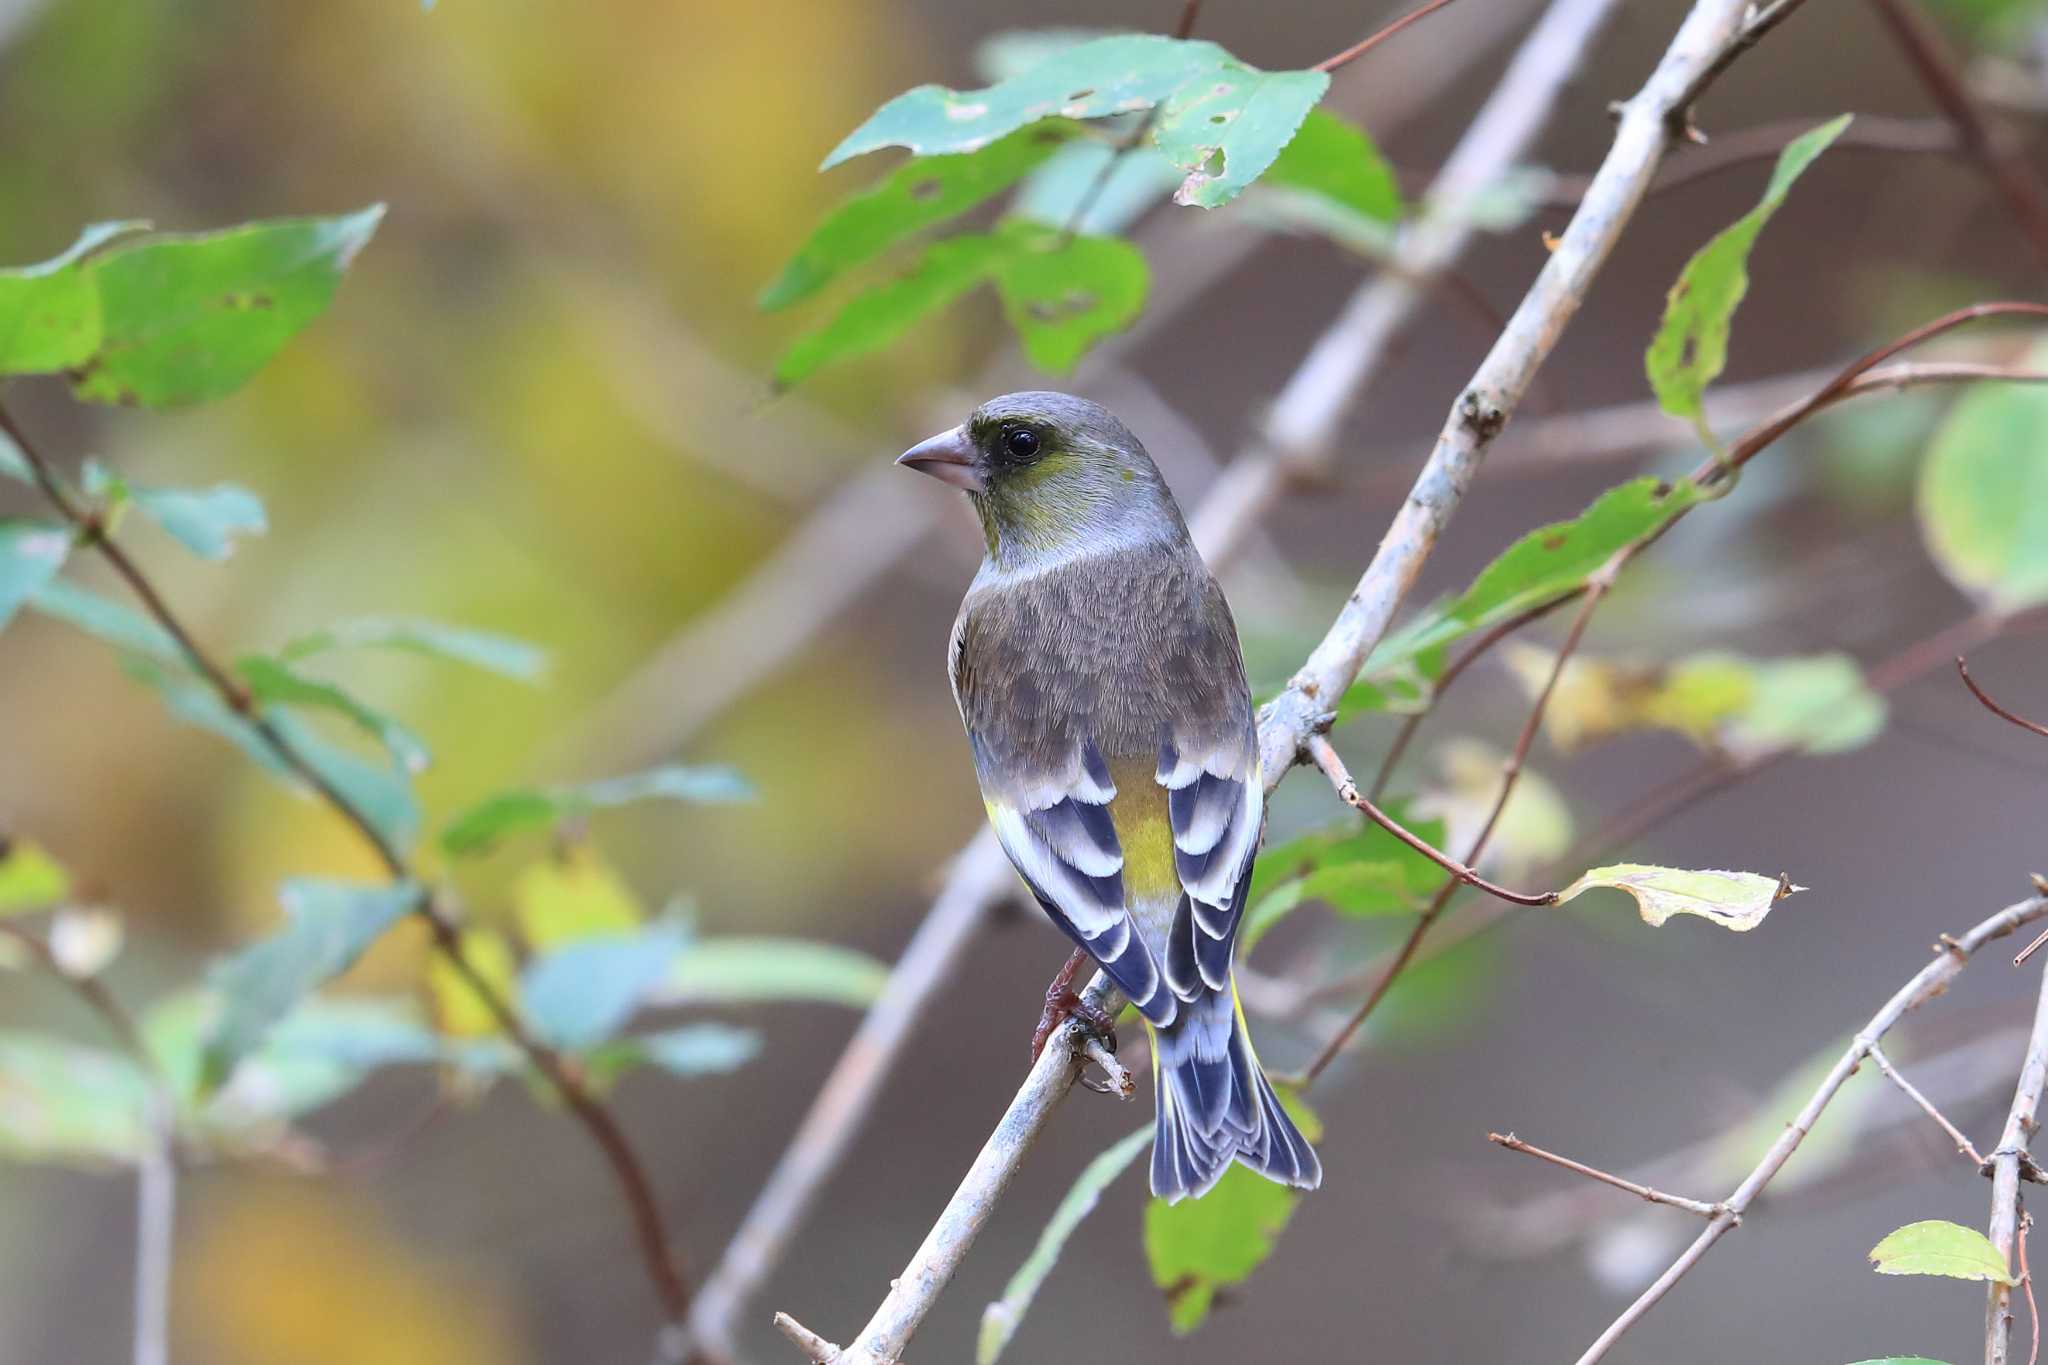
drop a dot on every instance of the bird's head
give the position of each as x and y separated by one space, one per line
1050 474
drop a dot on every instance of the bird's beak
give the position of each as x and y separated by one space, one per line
947 457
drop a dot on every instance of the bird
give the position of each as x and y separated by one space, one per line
1098 674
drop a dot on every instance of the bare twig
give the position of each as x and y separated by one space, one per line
1692 1206
1596 590
1897 1078
1325 757
2009 1164
1950 956
2027 1283
2010 169
1327 378
662 1265
981 876
2033 727
1766 18
1360 48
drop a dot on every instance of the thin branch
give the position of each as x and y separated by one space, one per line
1595 591
662 1266
2008 166
1766 18
1692 1206
1359 49
2009 1164
1351 349
2033 727
2027 1282
1897 1078
1324 756
1951 954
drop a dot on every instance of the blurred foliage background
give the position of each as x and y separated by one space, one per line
540 405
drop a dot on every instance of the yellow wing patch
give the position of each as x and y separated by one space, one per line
1144 830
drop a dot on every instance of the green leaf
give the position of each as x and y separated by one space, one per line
1220 121
1198 1246
1123 74
582 994
63 1103
273 680
1337 161
185 319
879 315
105 619
1544 564
1733 900
458 644
1000 1320
1983 496
30 879
482 825
913 197
31 553
1691 346
1063 294
1070 191
707 1049
1358 869
328 925
1936 1247
204 520
1226 130
746 970
1819 704
50 313
381 792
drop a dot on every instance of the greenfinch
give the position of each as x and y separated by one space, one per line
1098 674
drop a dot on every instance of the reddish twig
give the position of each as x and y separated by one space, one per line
1359 49
1325 757
662 1265
2007 166
2033 727
1692 1206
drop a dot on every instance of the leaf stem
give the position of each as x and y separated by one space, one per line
2033 727
1360 48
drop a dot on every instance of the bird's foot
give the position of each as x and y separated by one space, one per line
1062 1004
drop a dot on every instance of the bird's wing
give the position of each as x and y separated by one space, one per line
1216 807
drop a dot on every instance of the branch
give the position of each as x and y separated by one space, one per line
661 1264
2008 1164
2009 168
1950 956
2034 727
1321 388
1897 1078
1325 757
981 876
1360 48
1693 1206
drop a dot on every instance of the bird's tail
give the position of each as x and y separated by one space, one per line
1216 1105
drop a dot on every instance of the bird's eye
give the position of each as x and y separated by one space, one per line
1021 442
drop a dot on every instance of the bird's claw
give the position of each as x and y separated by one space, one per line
1062 1005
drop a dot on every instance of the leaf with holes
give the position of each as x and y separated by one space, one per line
1225 129
185 319
203 520
1000 1320
457 644
31 553
1063 294
1733 900
328 925
1983 496
50 313
915 196
1691 346
1935 1247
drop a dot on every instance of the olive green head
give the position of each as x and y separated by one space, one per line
1051 474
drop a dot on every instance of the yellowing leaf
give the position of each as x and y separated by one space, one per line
1597 698
1936 1247
30 879
1733 900
1983 496
1534 828
574 895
